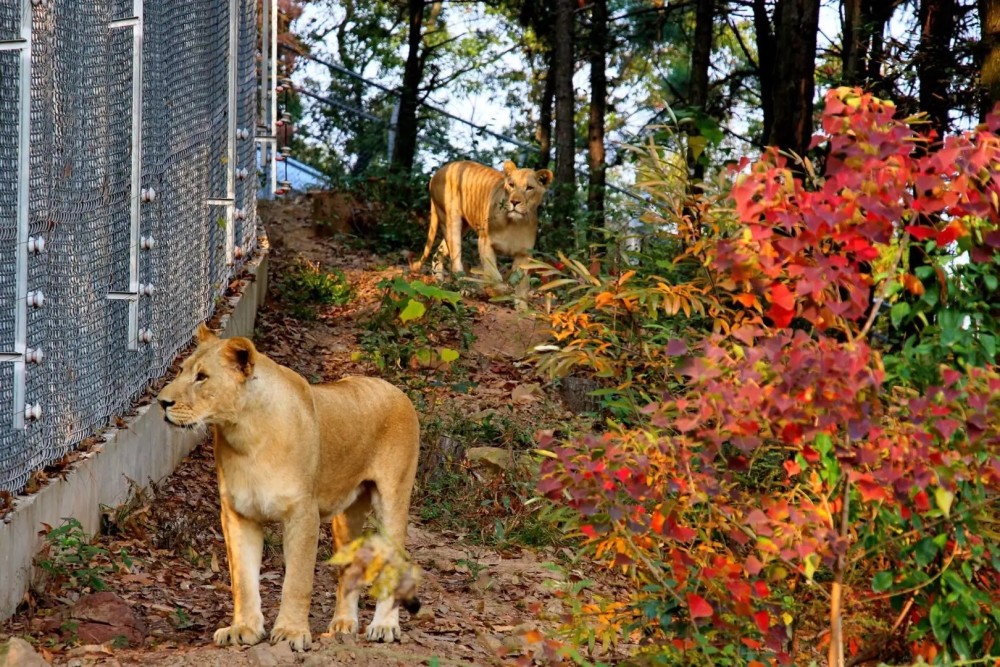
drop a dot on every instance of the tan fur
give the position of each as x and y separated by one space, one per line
298 454
501 207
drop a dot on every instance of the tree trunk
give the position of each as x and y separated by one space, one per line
854 50
544 133
598 108
405 147
701 57
989 19
863 28
565 174
796 26
766 53
935 63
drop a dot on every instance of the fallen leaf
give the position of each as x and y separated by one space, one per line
526 393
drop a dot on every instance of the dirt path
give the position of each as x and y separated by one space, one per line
479 602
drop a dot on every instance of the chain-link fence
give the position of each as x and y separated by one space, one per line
127 199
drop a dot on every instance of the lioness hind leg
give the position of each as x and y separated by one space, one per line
392 510
347 527
244 547
453 237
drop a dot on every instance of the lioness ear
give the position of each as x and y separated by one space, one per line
204 334
509 167
544 177
242 354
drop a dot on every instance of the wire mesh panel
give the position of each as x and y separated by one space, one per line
9 93
246 151
110 264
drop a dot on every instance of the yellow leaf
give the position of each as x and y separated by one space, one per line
697 145
944 498
810 564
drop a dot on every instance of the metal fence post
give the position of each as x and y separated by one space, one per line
228 201
233 99
268 142
138 194
21 354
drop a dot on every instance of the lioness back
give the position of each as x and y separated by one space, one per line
468 186
367 410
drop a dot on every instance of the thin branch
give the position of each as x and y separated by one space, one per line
880 299
743 46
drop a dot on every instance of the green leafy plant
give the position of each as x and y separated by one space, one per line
180 619
472 564
417 325
306 285
72 560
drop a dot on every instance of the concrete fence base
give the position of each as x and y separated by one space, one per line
147 449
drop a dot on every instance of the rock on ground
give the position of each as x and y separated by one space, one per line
18 653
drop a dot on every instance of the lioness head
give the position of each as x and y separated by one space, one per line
525 189
209 388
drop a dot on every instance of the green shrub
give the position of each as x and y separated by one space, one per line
306 286
416 326
73 561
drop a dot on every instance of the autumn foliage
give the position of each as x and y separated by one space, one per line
782 480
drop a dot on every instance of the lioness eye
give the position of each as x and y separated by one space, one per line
201 377
529 188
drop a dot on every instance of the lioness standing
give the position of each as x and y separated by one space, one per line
300 454
501 207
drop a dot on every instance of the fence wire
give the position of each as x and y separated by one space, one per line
80 199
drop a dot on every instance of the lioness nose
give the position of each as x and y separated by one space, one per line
165 403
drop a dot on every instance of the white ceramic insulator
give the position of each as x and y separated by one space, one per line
36 244
33 412
147 242
36 299
34 356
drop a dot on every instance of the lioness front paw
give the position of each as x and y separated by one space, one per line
343 626
235 635
388 632
299 640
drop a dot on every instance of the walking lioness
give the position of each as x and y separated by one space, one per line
299 454
501 207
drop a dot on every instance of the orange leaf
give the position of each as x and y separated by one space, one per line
912 284
747 299
699 607
532 636
791 433
656 522
763 620
780 316
782 297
